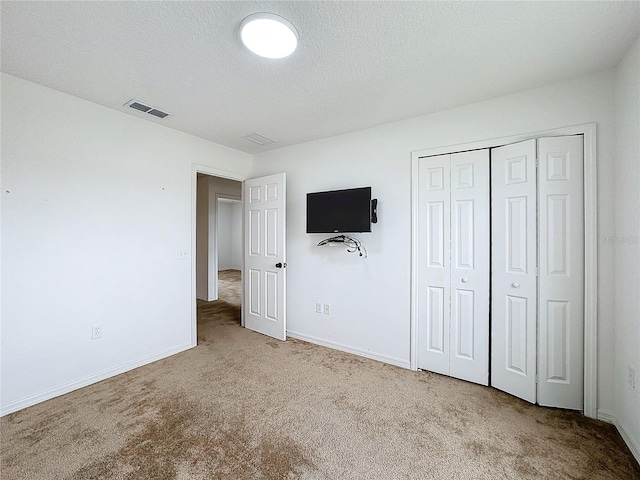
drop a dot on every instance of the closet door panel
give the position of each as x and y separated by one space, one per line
513 269
561 275
434 270
469 359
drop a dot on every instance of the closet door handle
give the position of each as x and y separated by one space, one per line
465 279
515 285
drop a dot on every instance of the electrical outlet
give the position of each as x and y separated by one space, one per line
183 254
327 309
318 308
96 332
631 376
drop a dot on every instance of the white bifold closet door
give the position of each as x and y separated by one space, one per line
537 265
453 303
561 272
513 269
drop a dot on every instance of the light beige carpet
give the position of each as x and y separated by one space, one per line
244 406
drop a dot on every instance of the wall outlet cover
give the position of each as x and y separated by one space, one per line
96 332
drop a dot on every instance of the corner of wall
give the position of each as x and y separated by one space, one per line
625 241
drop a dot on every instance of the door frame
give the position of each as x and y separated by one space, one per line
214 172
588 130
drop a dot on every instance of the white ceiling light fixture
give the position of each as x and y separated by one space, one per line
268 35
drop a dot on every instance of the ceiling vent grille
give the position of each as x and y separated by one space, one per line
259 139
157 113
136 105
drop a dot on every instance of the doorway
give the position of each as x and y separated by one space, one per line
228 234
218 231
212 225
263 232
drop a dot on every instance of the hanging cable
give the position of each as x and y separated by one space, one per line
352 244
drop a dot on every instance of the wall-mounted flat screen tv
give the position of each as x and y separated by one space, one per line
339 211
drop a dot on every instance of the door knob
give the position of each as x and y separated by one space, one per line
465 279
281 265
515 285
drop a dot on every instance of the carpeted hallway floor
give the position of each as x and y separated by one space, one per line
244 406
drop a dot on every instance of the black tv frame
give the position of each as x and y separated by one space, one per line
341 211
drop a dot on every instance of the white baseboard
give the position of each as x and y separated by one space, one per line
69 387
206 298
606 416
633 445
610 417
349 349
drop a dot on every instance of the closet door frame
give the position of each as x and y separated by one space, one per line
590 244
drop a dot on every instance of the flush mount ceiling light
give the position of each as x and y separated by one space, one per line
268 35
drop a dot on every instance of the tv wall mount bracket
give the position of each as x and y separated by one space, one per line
352 244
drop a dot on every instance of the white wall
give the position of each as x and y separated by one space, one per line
369 299
96 205
625 241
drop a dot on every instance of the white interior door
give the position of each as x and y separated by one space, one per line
513 269
561 272
264 273
453 304
434 274
469 331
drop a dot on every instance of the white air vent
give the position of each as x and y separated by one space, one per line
259 139
136 105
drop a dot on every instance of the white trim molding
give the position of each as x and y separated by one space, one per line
590 242
606 416
398 362
610 417
630 441
83 382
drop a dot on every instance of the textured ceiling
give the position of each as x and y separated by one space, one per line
358 64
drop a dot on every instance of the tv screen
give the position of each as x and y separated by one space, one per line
339 211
